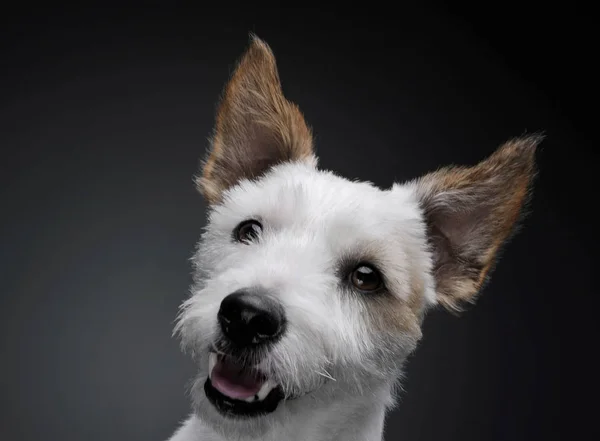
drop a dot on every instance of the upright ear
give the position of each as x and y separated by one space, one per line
256 126
471 212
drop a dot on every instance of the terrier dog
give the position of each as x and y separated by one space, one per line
310 289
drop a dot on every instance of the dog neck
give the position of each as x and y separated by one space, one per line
353 419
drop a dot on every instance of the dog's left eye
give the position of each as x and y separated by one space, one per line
365 278
247 231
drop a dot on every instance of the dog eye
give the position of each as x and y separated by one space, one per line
365 278
247 231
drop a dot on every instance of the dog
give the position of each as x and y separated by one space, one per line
310 289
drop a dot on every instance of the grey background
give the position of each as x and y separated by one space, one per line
104 114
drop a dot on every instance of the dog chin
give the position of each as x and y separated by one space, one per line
228 425
239 401
236 391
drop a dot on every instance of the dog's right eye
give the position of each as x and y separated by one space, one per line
247 231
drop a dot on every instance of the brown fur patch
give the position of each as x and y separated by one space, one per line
388 312
394 314
256 126
391 315
472 212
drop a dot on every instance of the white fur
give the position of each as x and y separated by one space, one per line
311 219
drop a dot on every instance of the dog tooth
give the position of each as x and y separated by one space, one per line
267 387
212 362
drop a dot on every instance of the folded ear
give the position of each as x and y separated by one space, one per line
471 212
256 126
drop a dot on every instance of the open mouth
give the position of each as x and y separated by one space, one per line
236 390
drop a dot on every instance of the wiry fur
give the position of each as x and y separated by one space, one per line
254 125
471 212
433 240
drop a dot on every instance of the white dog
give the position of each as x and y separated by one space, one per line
310 289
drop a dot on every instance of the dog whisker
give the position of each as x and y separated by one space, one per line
326 375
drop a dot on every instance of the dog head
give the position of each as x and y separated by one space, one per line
311 285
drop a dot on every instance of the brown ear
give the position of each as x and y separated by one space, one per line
256 126
471 213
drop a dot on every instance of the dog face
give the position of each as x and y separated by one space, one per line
309 284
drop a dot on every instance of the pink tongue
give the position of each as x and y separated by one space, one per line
229 379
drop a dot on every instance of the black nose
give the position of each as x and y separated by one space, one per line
249 317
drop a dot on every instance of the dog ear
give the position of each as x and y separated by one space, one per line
256 126
471 212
